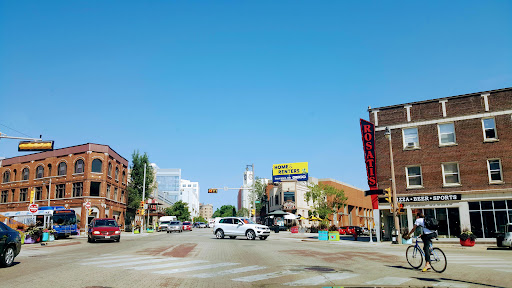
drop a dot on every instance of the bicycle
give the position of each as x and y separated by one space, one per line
415 255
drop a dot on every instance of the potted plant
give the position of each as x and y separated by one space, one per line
323 231
467 238
33 234
51 234
46 235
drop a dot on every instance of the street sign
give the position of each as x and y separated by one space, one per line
33 208
257 201
87 205
374 192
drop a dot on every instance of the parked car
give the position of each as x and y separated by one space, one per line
239 226
202 225
164 221
10 245
365 231
349 230
103 229
187 226
342 230
175 226
357 230
505 239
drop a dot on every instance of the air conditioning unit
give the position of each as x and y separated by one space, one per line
411 145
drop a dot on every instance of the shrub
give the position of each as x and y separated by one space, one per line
333 228
467 235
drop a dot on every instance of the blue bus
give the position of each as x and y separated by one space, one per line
64 220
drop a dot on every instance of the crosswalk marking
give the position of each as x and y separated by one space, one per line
492 265
389 281
167 265
103 259
194 268
504 270
265 276
124 259
449 284
27 253
321 279
227 272
484 262
131 263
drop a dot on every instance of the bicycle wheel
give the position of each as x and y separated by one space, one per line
438 260
414 256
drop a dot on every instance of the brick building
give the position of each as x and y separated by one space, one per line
206 211
88 172
452 160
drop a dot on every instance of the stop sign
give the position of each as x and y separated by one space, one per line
33 208
87 205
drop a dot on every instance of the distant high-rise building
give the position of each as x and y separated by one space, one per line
189 193
206 211
168 190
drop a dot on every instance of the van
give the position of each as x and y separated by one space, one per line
164 221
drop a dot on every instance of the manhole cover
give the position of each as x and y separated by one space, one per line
320 269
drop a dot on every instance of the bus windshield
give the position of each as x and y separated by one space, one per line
64 219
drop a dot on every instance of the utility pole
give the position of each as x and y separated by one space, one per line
143 198
393 184
254 192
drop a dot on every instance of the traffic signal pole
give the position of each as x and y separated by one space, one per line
393 182
144 197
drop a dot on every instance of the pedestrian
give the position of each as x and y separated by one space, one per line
426 236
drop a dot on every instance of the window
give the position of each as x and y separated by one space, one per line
446 134
3 199
117 174
115 193
124 176
489 127
39 193
78 189
49 169
109 169
62 169
289 196
23 194
414 177
494 169
6 177
24 174
60 190
108 191
410 136
12 194
451 175
95 189
195 185
39 172
226 221
79 166
122 196
96 166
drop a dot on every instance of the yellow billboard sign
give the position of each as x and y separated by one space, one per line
290 171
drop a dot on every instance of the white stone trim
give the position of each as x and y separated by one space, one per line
408 108
443 106
439 121
486 101
376 117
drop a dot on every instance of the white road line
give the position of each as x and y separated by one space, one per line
449 284
492 266
317 280
227 272
395 281
110 257
25 253
131 263
265 276
194 268
484 262
504 270
470 258
127 258
167 265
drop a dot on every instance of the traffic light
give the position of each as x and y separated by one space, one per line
388 194
141 206
253 211
35 146
142 212
211 190
400 207
90 211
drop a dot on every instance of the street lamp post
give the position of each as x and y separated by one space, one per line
393 184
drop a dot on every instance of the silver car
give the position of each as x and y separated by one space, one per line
175 226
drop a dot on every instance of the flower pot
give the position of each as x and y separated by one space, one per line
323 235
467 242
45 236
29 240
334 236
136 231
51 237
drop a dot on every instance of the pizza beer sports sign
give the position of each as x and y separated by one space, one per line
368 135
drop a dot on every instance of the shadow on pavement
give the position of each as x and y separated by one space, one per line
456 280
500 248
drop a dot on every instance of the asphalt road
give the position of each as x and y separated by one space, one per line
197 259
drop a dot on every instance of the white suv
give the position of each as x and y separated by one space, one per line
235 226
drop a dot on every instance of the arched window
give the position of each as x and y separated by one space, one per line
109 169
63 168
79 166
7 177
24 174
96 166
15 174
117 174
124 176
39 172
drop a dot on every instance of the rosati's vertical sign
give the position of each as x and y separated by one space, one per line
368 135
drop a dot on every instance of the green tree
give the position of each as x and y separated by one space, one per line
199 219
326 199
225 211
180 210
258 194
244 212
137 182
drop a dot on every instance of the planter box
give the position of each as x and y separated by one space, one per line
323 235
294 229
334 236
467 242
45 237
51 237
29 240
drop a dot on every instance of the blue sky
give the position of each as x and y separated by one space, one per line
210 86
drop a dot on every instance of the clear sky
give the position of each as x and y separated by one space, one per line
211 86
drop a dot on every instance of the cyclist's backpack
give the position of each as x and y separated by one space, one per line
431 223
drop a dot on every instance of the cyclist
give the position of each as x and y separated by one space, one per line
426 236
